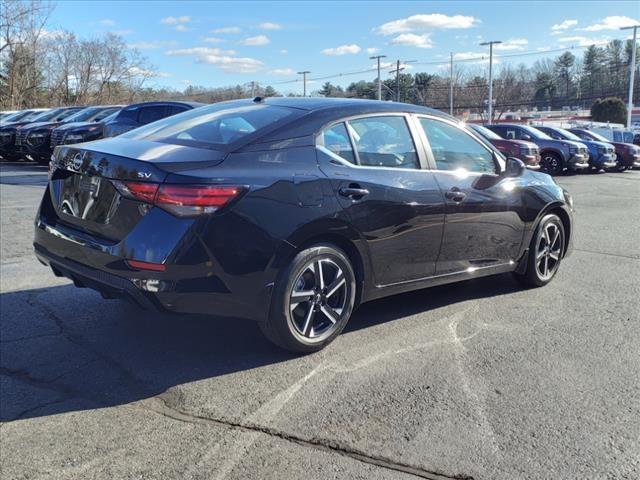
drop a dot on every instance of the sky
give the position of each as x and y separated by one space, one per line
216 44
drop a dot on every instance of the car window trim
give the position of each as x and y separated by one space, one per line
420 152
432 161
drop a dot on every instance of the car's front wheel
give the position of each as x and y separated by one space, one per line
312 300
545 252
552 163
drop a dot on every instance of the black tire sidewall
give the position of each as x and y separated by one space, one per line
279 317
532 272
545 165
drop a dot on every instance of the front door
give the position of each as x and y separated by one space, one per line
378 176
483 226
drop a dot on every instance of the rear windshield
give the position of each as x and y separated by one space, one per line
211 126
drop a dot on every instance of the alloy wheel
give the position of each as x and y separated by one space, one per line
549 250
318 299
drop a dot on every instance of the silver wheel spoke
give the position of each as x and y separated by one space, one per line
330 313
545 270
308 321
556 237
539 255
319 275
554 256
336 284
299 297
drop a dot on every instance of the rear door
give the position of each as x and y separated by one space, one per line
376 165
483 226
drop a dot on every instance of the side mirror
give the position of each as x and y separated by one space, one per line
526 136
514 167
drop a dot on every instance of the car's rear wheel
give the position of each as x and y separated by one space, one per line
545 252
312 301
551 163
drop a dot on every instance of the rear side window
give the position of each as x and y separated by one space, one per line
174 109
337 140
213 125
384 142
454 149
130 114
151 114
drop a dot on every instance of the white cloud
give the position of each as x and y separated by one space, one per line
611 23
182 28
384 65
342 50
426 22
372 50
558 27
512 44
270 26
284 51
224 59
583 41
212 40
122 33
283 72
470 56
107 21
175 20
256 41
413 40
144 45
141 72
227 30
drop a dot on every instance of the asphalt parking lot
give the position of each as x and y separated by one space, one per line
478 380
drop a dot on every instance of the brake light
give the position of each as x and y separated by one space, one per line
154 267
182 200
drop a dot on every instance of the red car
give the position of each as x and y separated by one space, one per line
528 152
627 154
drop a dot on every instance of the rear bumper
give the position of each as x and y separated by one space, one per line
202 288
109 286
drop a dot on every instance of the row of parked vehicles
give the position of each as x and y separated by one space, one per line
34 133
555 150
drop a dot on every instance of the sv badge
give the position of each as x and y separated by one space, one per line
144 175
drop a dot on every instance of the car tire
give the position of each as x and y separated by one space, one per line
552 163
309 310
545 252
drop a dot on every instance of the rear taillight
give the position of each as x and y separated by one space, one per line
138 265
181 200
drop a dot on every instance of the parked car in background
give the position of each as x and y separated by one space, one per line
23 115
614 134
9 126
292 211
84 126
139 114
556 156
528 152
5 113
33 139
627 154
602 155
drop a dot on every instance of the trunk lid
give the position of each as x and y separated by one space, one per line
86 183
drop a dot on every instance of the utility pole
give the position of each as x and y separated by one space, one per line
253 88
632 71
397 72
451 86
491 44
378 57
304 82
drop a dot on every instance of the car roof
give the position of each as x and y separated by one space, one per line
169 102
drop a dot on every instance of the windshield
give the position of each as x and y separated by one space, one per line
211 126
595 136
535 133
485 132
111 116
83 115
14 117
64 114
44 116
567 134
106 113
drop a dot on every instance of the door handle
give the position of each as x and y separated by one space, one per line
455 194
354 192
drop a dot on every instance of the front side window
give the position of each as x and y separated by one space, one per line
336 139
454 149
151 114
384 142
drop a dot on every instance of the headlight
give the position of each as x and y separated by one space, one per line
37 135
76 137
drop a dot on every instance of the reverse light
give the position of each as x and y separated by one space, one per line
181 200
